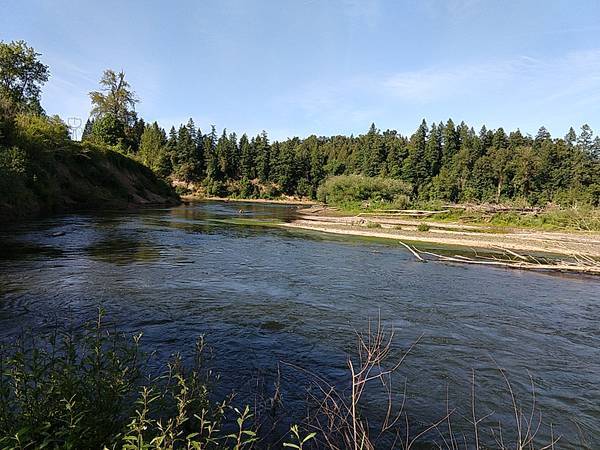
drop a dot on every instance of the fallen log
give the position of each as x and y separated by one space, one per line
413 251
581 265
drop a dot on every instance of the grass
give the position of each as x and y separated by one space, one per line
554 219
373 225
550 219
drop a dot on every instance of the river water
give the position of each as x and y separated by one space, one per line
270 299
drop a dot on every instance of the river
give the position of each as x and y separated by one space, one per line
268 297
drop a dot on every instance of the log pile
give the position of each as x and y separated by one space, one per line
578 263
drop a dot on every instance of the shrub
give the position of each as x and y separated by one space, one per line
247 189
216 188
357 189
40 132
305 189
423 227
269 191
79 391
182 190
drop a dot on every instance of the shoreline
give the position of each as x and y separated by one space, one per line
284 201
458 239
452 234
455 234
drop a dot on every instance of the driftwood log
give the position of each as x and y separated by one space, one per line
578 264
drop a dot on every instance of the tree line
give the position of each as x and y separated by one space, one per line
442 161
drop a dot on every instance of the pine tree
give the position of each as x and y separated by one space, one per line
585 139
247 158
433 151
542 135
415 168
263 156
222 151
233 157
571 137
373 153
186 163
87 130
213 171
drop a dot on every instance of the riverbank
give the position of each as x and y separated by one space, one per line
281 201
319 218
77 177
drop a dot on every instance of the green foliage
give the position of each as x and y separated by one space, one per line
115 98
373 225
90 388
43 171
298 439
68 391
423 227
14 163
152 151
78 390
186 153
41 132
216 188
109 130
357 189
578 218
21 75
441 162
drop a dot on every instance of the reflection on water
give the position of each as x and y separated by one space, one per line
14 250
264 295
122 250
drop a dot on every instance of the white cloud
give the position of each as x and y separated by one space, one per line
539 80
515 92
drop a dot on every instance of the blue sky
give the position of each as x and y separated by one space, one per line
299 67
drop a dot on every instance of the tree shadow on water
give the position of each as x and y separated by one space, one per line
123 250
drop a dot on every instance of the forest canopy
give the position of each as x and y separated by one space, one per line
440 161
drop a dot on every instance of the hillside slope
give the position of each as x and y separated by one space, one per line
76 177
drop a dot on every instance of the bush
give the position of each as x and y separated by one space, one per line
40 132
423 227
357 189
79 391
269 191
305 189
14 164
373 225
247 189
216 188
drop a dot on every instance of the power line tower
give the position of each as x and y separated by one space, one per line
74 124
